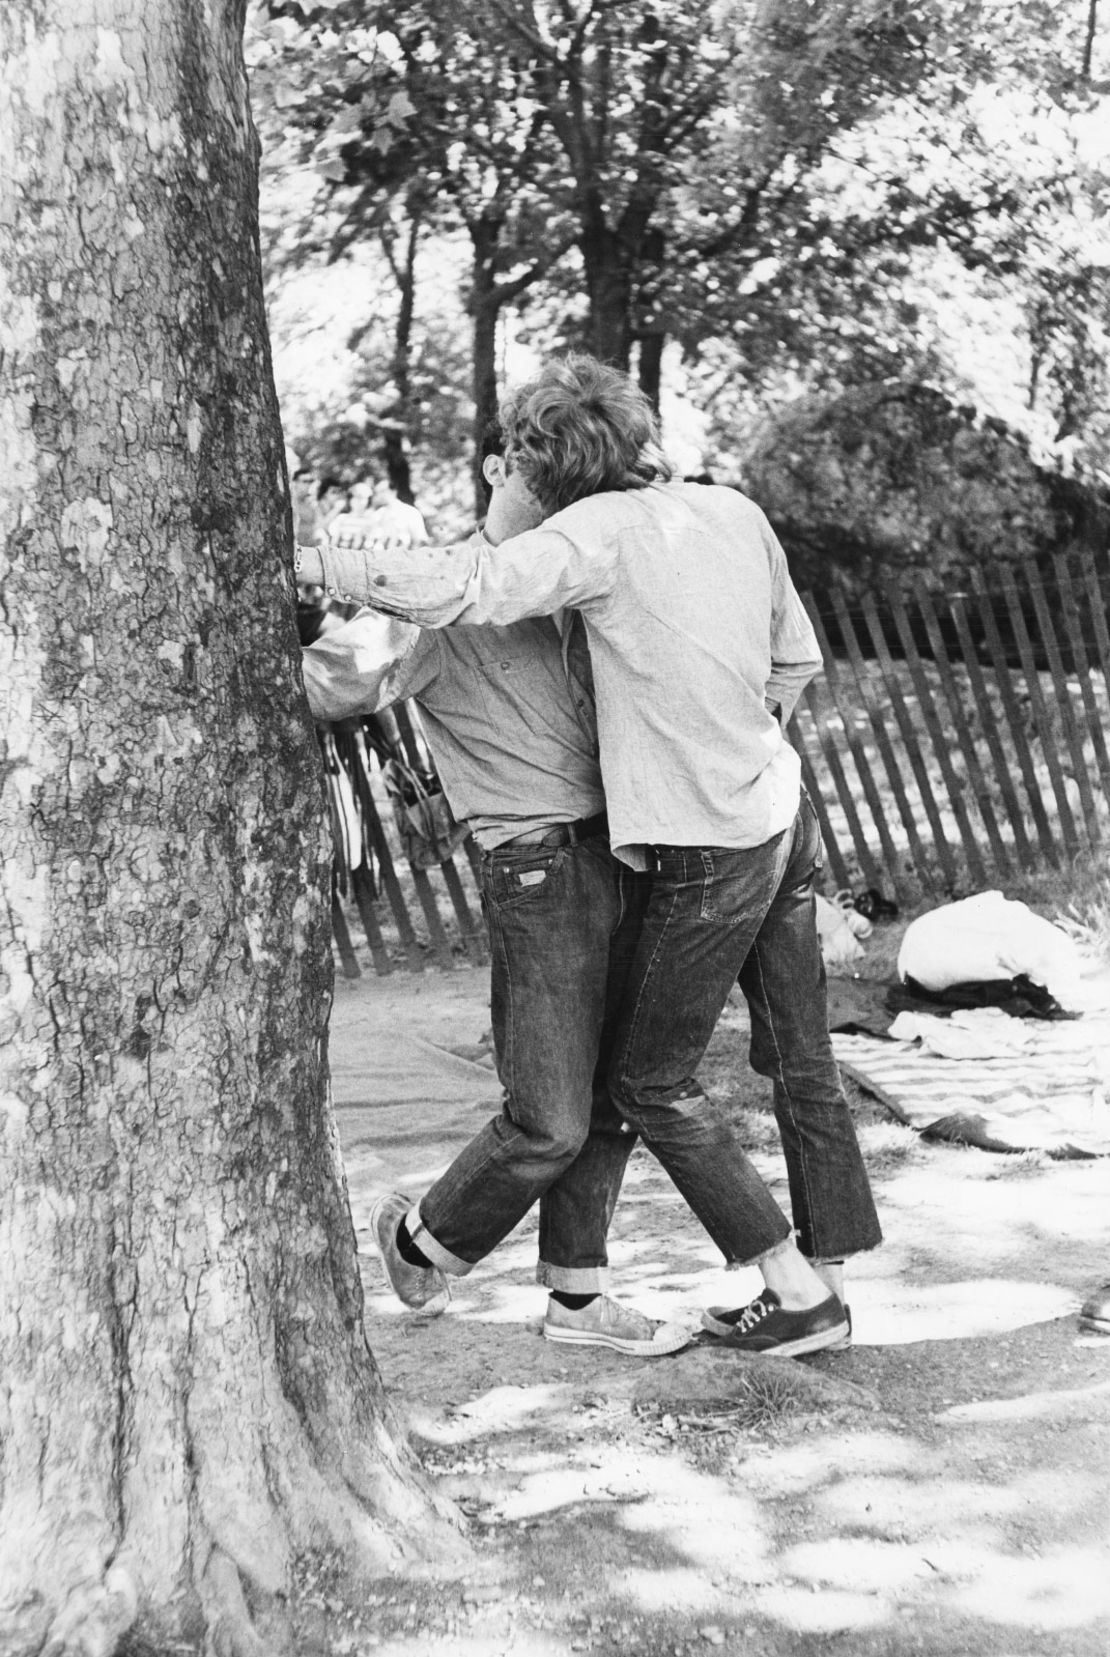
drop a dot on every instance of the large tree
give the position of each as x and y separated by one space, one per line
187 1399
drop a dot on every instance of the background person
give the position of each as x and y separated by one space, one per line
376 512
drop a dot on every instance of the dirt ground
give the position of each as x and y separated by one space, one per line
941 1487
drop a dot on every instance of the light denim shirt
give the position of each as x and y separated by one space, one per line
514 742
695 631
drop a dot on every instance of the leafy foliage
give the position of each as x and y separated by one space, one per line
800 194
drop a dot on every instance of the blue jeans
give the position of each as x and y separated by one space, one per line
555 916
712 916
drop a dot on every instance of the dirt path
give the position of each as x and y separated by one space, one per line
940 1488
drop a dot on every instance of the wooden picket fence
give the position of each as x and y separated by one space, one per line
954 740
408 916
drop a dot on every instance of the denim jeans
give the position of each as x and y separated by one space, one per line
554 916
712 916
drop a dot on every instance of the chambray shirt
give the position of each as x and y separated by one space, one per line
695 633
513 738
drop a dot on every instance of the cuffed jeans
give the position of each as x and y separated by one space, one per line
709 917
555 917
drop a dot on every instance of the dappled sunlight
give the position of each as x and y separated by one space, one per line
805 1612
1067 1588
706 1519
978 1219
506 1299
933 1505
805 1467
869 1564
894 1313
476 1642
876 1506
552 1488
1065 1492
673 1588
503 1409
1077 1403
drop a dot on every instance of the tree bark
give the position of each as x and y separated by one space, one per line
485 309
609 287
395 437
188 1401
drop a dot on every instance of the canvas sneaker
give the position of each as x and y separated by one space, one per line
1094 1317
424 1288
766 1329
721 1320
606 1322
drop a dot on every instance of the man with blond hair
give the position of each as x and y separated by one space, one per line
700 648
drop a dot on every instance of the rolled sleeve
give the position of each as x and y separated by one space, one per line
422 584
473 582
365 665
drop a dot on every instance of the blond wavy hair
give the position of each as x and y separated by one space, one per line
578 428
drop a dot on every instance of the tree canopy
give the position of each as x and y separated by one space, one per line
741 202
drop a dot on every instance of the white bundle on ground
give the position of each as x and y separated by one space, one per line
987 938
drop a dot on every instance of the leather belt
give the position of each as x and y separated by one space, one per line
563 834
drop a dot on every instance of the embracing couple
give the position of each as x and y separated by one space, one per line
604 671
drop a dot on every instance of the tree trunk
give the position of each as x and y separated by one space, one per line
395 436
649 366
609 290
188 1400
485 308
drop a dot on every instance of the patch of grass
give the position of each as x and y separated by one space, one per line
769 1396
1088 922
1076 899
1020 1165
888 1146
758 1129
768 1393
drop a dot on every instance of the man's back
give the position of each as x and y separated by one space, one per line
695 632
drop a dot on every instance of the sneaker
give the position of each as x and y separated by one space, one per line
422 1287
606 1322
766 1330
1094 1316
719 1320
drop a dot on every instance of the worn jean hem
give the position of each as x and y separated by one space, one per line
573 1280
436 1253
841 1258
754 1259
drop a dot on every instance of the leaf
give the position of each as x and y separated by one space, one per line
400 108
286 95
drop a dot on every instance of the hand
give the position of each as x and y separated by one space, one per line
513 509
308 571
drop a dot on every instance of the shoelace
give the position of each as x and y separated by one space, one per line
752 1315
